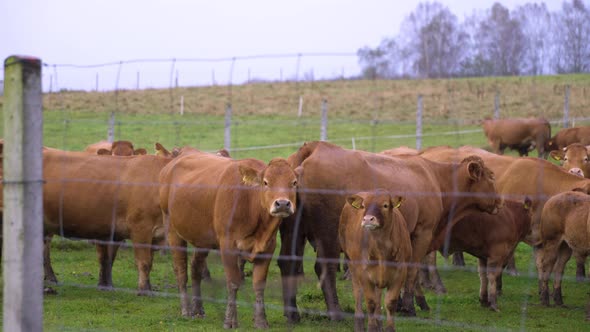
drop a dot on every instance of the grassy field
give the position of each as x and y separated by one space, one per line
369 115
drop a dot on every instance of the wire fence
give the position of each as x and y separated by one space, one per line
265 113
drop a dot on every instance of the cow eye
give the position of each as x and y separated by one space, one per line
564 158
386 206
265 183
586 159
294 183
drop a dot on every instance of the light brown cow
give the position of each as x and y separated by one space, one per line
490 238
522 134
568 136
105 198
330 173
565 227
574 158
373 234
235 205
117 148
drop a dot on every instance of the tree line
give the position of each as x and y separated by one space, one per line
530 40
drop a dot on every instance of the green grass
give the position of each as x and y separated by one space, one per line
265 116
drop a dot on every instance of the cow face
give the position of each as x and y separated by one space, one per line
574 158
481 185
377 208
277 183
122 148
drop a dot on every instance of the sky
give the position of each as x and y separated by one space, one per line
77 32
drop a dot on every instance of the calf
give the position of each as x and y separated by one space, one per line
490 238
215 202
373 234
567 136
574 158
565 227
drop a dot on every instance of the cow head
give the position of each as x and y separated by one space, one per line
277 183
122 148
481 185
574 158
377 207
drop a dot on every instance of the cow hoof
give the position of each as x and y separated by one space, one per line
230 325
494 308
512 272
145 292
105 287
408 312
580 278
293 317
261 324
49 291
421 302
439 290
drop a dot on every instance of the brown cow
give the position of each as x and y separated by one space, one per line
574 158
330 173
373 234
568 136
117 148
522 134
104 198
565 227
235 205
490 238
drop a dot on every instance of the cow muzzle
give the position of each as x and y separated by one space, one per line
577 171
370 222
282 208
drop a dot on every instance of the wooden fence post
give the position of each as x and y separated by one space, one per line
419 124
324 125
111 131
227 130
22 259
497 105
566 107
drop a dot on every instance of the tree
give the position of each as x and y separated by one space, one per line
536 24
500 41
379 62
572 36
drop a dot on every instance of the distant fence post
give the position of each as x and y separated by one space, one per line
227 131
111 131
566 107
300 109
22 259
419 124
96 88
497 105
324 125
181 105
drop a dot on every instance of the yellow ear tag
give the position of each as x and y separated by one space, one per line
398 204
356 205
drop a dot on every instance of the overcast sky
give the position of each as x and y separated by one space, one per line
94 32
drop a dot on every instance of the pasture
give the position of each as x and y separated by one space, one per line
367 115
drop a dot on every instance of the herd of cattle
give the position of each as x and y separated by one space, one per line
387 212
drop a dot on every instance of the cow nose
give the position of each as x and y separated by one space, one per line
370 222
577 171
282 204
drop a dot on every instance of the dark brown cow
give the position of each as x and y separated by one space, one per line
330 173
568 136
574 158
117 148
522 134
235 205
490 238
565 227
373 234
104 198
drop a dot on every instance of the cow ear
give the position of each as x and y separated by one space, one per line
298 172
556 154
161 150
397 201
103 152
475 170
249 176
355 201
140 151
527 203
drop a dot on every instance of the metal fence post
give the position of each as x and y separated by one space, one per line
419 124
22 259
566 107
324 125
227 131
111 131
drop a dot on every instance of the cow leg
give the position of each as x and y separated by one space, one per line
494 272
206 274
197 268
143 259
233 282
178 248
580 267
291 265
458 259
357 290
259 274
106 257
420 243
564 254
391 297
545 258
439 288
511 266
49 274
325 269
483 282
373 302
